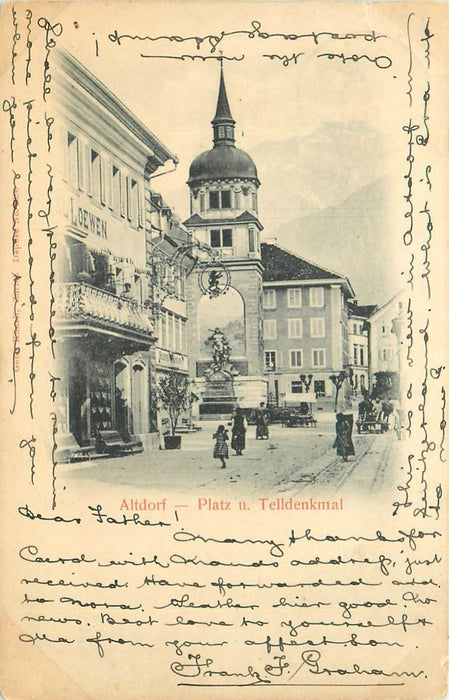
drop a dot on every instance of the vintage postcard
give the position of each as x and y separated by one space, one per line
224 349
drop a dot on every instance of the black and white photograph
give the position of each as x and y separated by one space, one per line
227 267
224 376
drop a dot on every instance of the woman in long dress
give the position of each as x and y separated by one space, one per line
261 423
238 432
343 441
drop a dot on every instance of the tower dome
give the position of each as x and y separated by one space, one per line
223 161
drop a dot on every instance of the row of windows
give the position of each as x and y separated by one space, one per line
295 358
385 354
317 328
294 297
226 131
358 354
88 171
357 328
319 387
172 332
355 382
223 238
387 326
224 199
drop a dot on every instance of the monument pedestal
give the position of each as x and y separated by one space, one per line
219 397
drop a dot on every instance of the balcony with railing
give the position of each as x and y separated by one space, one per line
79 304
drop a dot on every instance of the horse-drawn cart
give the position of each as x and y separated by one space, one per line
371 424
371 418
298 411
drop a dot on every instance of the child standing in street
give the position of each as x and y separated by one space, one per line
221 447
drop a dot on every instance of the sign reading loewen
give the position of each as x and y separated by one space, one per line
87 221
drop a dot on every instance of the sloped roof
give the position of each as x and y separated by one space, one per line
399 296
246 217
167 245
362 310
282 265
69 70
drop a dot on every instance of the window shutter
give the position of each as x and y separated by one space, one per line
102 174
88 167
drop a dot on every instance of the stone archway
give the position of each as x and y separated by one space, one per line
226 312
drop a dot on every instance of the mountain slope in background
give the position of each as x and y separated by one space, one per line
352 238
324 195
316 170
302 172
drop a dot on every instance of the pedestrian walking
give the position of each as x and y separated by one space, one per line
387 411
261 423
343 441
221 445
238 432
378 408
398 419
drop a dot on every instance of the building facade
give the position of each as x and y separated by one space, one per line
386 349
305 318
170 261
359 346
104 308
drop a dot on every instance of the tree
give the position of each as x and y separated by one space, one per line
174 395
338 381
386 385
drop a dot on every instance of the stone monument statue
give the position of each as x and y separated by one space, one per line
219 398
221 353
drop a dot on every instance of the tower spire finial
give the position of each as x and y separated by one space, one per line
223 123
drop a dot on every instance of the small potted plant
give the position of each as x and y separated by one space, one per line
174 396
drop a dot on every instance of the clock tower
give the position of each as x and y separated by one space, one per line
224 186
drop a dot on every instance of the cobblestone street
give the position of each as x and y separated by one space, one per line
293 461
